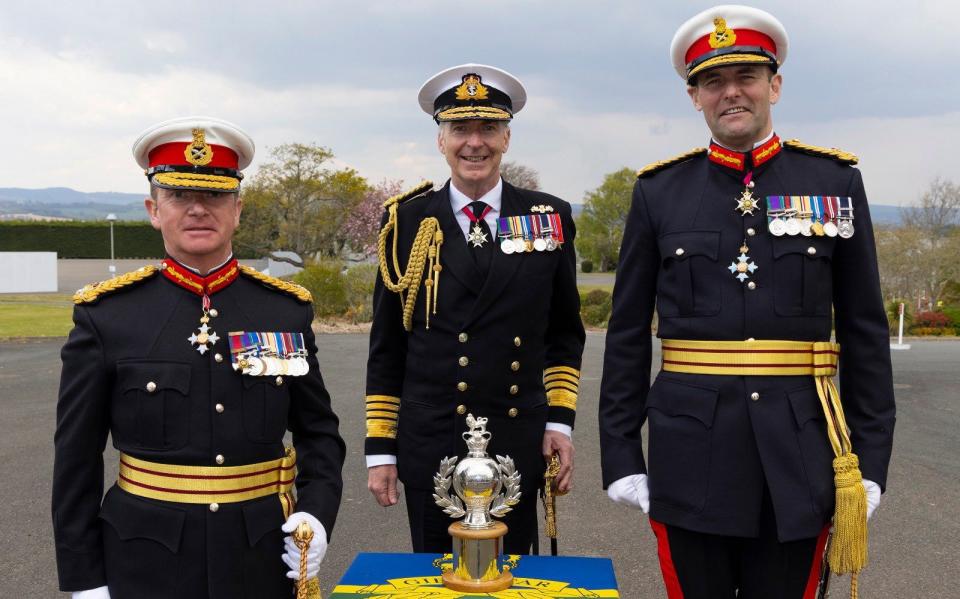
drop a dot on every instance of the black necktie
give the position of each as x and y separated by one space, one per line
482 254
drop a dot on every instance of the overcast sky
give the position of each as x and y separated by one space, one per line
80 80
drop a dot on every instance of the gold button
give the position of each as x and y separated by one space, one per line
755 396
213 312
462 337
461 409
214 507
278 381
751 232
218 408
512 412
811 250
151 387
218 357
751 285
679 251
516 341
461 386
219 459
463 361
514 366
514 389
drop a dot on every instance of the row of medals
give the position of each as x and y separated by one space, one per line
793 225
272 365
517 245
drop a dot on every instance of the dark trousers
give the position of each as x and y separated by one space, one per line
703 566
428 524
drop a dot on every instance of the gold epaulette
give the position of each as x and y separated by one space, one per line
286 286
659 166
400 198
90 293
836 154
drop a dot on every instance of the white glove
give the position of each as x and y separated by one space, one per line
631 491
873 496
316 551
97 593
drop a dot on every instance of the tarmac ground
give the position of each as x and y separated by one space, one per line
914 537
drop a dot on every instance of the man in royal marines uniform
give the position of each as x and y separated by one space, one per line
747 249
476 312
196 368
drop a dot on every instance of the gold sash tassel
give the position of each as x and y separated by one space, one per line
848 549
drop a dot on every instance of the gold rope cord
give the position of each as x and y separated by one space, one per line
307 588
550 494
425 247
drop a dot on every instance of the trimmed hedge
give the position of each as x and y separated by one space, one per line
82 239
87 239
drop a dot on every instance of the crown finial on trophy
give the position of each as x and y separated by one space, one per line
477 437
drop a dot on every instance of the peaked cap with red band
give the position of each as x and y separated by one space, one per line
728 35
194 152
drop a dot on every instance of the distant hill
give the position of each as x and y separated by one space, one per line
63 202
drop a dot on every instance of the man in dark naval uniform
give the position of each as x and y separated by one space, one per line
476 312
196 368
747 249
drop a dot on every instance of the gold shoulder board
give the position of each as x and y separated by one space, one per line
659 166
836 154
90 293
421 188
286 286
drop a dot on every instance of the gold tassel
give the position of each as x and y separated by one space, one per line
848 551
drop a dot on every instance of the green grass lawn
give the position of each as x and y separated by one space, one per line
588 288
35 315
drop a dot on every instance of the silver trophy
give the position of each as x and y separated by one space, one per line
483 488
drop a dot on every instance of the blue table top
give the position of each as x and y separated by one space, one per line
418 576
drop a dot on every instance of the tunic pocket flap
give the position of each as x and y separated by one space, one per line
262 516
811 247
806 405
679 399
153 375
134 518
683 244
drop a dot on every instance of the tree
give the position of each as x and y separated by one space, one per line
520 175
934 223
600 226
363 224
299 203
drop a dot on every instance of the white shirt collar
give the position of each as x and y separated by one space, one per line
755 145
492 198
197 270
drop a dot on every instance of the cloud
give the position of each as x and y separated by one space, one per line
865 76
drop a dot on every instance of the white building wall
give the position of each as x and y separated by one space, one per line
28 272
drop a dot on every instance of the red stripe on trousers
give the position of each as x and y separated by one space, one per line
813 581
670 579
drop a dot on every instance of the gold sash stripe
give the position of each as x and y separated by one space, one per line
207 484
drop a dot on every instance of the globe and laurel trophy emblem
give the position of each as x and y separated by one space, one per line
483 488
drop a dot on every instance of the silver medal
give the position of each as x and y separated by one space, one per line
255 366
777 227
830 229
793 226
518 245
845 229
539 244
806 227
506 246
551 244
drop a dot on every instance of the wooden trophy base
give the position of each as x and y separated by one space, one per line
476 557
